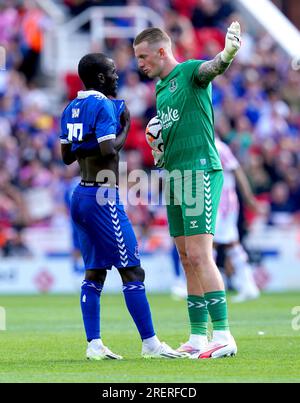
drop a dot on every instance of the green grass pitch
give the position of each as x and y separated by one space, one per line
44 342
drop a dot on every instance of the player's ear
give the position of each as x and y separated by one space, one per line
101 78
161 52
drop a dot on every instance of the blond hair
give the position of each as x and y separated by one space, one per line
152 35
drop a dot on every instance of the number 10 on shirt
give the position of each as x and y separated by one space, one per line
75 130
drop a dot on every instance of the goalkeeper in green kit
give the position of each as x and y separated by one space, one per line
194 177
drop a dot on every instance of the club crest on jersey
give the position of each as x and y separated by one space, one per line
75 112
173 85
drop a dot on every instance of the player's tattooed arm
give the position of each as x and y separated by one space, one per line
210 69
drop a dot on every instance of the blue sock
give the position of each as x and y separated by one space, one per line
138 307
90 308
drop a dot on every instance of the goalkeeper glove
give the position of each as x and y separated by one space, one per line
232 42
158 156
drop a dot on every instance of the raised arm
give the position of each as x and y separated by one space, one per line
212 68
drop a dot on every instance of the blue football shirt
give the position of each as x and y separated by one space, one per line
90 119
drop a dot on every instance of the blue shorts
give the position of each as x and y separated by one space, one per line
106 237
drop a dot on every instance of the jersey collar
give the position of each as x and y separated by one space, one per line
85 94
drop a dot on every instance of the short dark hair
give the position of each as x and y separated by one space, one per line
90 66
151 35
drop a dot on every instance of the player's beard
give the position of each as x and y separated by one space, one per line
111 88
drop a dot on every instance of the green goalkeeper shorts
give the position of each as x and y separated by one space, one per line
192 199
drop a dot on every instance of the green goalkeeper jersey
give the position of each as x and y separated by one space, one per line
186 114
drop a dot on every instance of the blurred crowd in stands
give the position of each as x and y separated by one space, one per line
257 112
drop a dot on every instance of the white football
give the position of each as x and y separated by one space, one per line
154 134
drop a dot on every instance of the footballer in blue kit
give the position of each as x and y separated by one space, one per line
119 246
94 127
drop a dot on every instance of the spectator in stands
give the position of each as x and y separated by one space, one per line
136 94
210 13
33 23
182 33
281 206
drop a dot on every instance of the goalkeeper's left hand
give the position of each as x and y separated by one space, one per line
232 42
158 156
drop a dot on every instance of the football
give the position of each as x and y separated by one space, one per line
154 134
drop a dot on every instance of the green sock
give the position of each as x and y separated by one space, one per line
217 308
198 314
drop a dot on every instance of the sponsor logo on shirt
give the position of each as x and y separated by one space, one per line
168 117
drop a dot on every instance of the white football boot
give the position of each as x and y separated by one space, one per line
162 351
218 347
179 290
97 351
246 294
193 348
